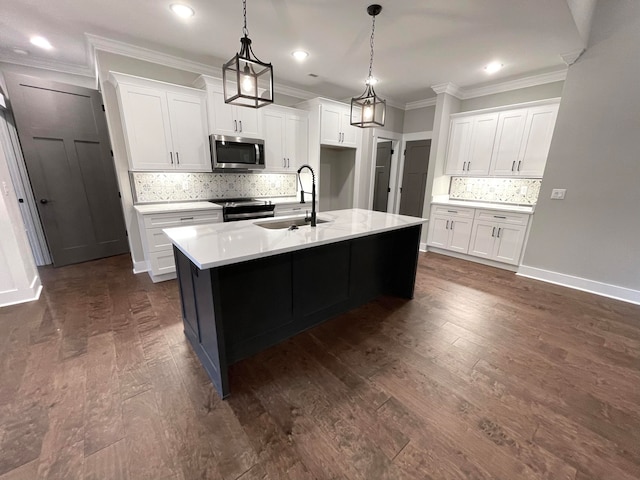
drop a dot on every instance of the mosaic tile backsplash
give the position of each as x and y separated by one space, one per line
152 187
522 191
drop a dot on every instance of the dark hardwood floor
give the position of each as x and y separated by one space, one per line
484 375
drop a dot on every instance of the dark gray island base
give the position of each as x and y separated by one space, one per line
234 311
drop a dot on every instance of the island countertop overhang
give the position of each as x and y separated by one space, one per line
216 245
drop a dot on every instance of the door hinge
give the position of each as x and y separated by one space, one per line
119 195
103 108
111 153
405 152
126 234
392 150
388 190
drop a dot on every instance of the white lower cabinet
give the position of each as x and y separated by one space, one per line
158 250
450 228
498 236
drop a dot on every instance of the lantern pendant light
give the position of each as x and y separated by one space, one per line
247 81
368 110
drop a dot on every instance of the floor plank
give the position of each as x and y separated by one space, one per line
483 375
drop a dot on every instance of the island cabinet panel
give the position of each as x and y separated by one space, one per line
236 310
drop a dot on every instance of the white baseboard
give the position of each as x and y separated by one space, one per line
140 267
578 283
30 294
471 258
423 246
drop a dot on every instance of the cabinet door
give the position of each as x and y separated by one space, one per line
273 124
248 122
459 145
508 141
145 116
349 132
483 135
297 141
224 122
482 239
330 133
439 231
509 242
459 234
537 140
188 114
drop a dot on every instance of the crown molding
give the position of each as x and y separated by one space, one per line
572 57
145 54
525 82
48 65
449 88
427 102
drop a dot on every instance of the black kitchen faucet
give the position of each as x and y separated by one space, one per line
313 193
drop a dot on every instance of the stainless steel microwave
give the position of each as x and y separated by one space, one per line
229 152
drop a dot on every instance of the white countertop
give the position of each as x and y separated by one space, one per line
218 244
175 207
503 207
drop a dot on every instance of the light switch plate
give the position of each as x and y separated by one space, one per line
558 193
523 190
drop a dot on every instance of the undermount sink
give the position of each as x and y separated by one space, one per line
282 223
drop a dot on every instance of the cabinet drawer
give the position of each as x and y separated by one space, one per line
157 240
502 217
451 211
166 220
162 262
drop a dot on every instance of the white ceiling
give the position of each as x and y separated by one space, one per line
418 43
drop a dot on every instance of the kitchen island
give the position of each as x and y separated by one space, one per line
245 287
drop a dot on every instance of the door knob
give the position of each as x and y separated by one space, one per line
44 200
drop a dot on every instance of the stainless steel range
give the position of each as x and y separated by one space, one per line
245 209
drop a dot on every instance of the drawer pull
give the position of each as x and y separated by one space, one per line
186 218
452 211
499 216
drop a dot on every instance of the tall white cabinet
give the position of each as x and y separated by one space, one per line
165 125
286 138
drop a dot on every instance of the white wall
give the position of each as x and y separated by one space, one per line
19 280
594 234
419 120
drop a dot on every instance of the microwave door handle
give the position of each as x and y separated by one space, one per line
255 145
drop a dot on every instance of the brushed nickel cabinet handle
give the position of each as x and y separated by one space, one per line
451 224
240 126
493 232
171 156
464 166
452 211
499 216
235 128
513 165
447 227
186 218
468 166
177 158
499 232
519 165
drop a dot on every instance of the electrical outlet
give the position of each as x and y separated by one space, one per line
558 193
185 185
523 190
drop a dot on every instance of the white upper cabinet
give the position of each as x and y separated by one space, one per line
286 135
165 126
538 132
335 126
225 119
471 144
508 141
513 142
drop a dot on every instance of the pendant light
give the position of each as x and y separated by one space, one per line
247 81
368 110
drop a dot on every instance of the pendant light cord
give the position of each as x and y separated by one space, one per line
373 29
244 13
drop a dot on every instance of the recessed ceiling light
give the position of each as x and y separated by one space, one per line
41 42
299 55
183 11
20 51
493 67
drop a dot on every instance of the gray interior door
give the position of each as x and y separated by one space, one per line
414 177
383 171
65 142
